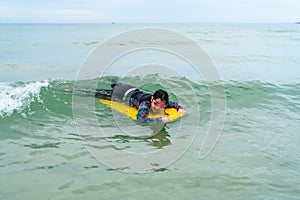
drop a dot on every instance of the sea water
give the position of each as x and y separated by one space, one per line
43 154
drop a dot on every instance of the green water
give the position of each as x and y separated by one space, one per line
43 156
49 152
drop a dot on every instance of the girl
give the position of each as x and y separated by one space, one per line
143 102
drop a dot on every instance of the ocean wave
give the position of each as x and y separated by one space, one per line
56 95
15 96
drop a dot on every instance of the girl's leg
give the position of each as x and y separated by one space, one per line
103 94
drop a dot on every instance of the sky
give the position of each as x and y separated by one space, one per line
149 11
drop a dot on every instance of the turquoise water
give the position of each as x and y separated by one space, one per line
44 156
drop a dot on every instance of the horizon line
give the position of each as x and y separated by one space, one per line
114 22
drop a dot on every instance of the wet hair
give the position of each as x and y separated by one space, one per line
161 94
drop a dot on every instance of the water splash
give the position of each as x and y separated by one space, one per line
16 96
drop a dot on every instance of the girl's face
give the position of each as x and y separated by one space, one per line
157 105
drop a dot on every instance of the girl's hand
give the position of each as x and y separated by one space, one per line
181 111
165 119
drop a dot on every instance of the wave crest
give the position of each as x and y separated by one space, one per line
18 95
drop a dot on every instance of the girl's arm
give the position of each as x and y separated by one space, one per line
172 104
179 108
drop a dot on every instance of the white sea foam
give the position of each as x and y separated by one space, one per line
16 96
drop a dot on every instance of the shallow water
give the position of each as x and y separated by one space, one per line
45 155
42 154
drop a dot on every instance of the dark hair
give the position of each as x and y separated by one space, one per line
161 94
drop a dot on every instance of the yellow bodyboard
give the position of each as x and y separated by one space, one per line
132 112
